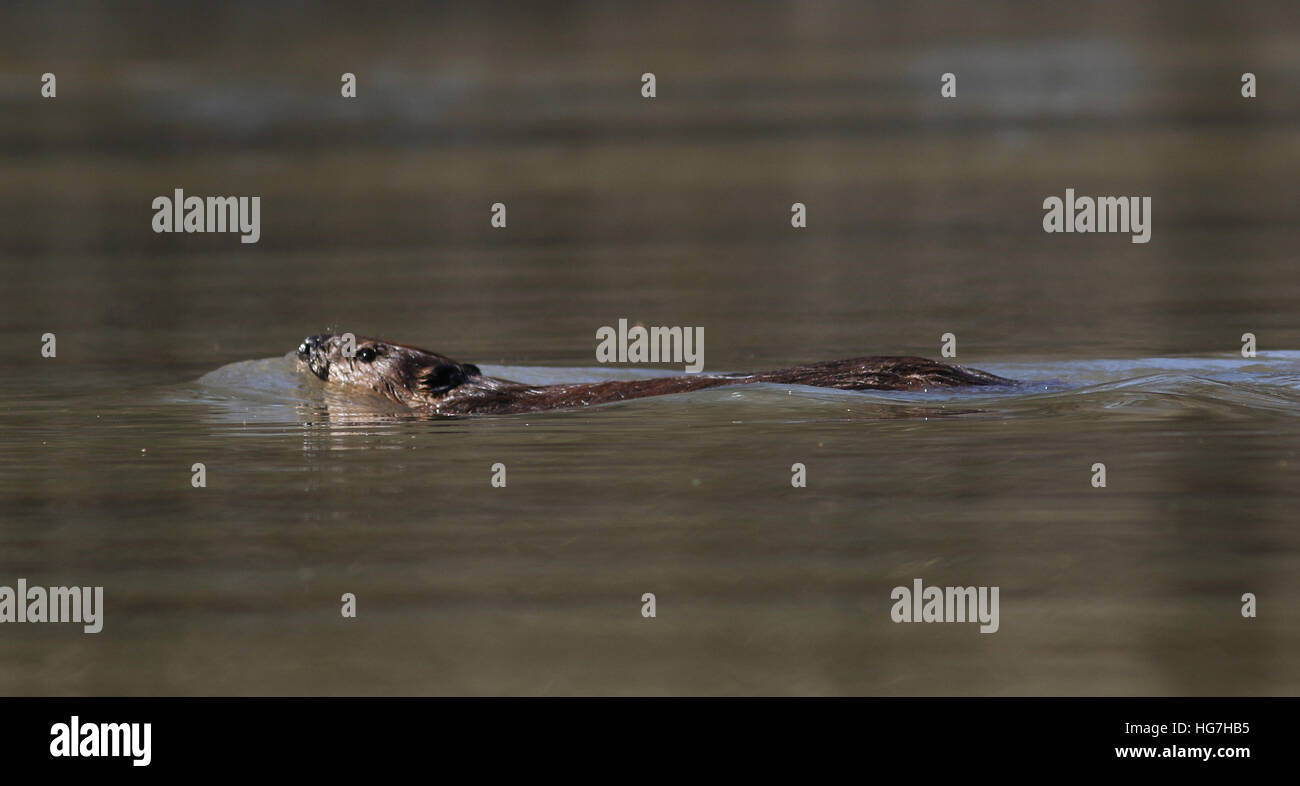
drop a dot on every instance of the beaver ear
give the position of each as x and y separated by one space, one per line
442 378
471 369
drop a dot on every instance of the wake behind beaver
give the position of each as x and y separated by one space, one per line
428 382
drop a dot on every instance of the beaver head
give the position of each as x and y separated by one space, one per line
395 371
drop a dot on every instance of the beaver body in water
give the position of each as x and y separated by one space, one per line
429 382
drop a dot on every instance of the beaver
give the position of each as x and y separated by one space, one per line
429 382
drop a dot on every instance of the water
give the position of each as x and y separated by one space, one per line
761 587
924 218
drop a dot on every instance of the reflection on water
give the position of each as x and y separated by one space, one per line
924 218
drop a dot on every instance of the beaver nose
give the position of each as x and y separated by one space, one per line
308 344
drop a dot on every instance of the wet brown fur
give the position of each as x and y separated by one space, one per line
429 382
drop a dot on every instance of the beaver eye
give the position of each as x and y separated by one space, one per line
365 354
